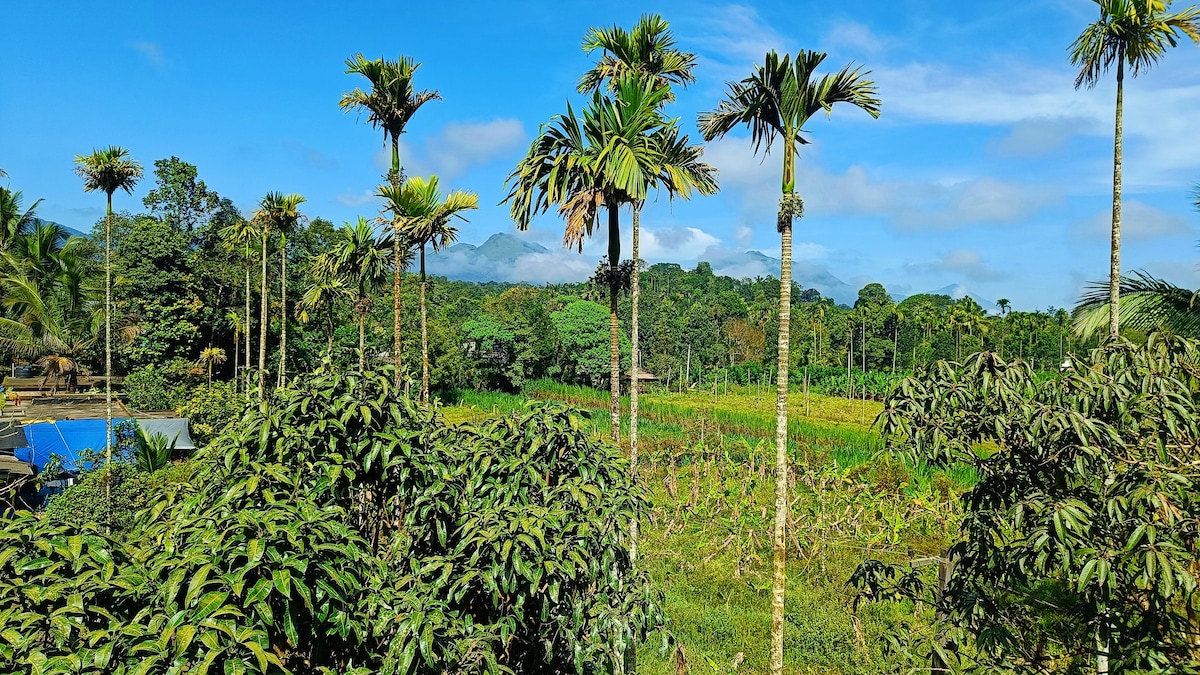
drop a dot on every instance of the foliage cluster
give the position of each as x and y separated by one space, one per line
1080 540
339 527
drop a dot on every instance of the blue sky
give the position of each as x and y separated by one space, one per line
987 169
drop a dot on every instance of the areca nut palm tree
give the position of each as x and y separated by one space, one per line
390 104
241 234
325 288
1133 34
108 170
583 165
775 102
428 221
276 212
359 256
647 52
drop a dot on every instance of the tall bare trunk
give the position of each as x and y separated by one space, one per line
283 313
790 208
614 334
362 341
1114 270
634 381
397 267
424 334
108 405
779 580
262 328
246 365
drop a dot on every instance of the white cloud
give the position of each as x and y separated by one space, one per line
855 36
1040 136
1042 104
153 52
1139 222
963 263
353 199
457 148
730 39
909 205
674 243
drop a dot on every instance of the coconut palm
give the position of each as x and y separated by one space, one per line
276 213
389 105
107 171
240 236
428 221
210 357
1133 34
360 257
15 220
775 103
581 166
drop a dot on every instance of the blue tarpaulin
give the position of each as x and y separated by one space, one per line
65 438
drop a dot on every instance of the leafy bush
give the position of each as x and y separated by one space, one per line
341 528
1081 541
84 503
210 409
161 388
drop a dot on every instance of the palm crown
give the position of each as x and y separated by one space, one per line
647 51
779 99
428 217
278 212
392 100
1130 32
108 170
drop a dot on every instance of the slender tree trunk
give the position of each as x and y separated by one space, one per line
1114 271
329 329
779 581
397 265
895 346
237 347
424 334
262 318
108 404
246 259
283 313
362 341
789 208
634 382
614 329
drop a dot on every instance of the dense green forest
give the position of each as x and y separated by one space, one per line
180 289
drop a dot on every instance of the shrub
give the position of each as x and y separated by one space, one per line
210 409
341 528
85 503
161 388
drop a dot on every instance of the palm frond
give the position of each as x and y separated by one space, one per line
108 170
1146 303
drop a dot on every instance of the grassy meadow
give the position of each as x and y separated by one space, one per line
708 460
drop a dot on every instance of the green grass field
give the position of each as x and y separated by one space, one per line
708 459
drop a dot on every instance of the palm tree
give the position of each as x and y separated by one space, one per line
775 103
325 289
209 357
648 53
580 166
389 105
360 257
108 170
1004 306
1133 33
427 221
14 221
276 213
240 235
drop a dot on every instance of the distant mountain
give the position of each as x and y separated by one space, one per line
959 291
505 257
750 264
71 232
